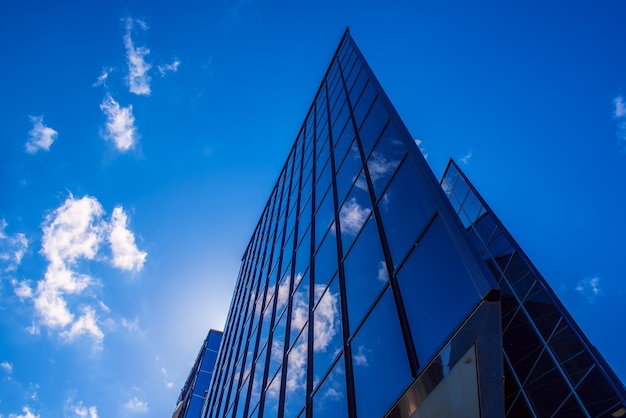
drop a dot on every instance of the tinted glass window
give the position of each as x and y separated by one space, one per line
295 385
326 260
432 273
330 398
381 367
365 272
327 338
348 171
385 158
354 213
405 210
299 308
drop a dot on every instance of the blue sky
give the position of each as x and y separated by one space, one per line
140 140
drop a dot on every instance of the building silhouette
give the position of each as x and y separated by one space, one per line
193 393
369 289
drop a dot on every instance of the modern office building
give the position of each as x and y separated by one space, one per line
370 290
192 395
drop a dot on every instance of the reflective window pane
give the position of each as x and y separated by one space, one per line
354 213
385 158
330 399
365 272
405 210
381 367
435 271
295 385
327 338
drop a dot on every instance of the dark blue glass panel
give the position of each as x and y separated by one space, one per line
326 260
365 272
299 307
349 171
322 186
257 381
356 85
303 255
295 385
208 360
354 213
278 344
387 154
405 209
364 104
202 383
330 400
343 143
195 405
437 289
381 367
272 394
327 338
324 218
214 341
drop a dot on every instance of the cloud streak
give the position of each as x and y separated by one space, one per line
169 68
619 114
40 137
12 248
138 68
120 125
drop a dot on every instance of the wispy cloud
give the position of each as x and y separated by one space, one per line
12 248
169 68
136 406
126 255
138 78
352 216
72 234
120 124
466 158
619 114
103 77
589 288
27 413
79 410
40 137
7 367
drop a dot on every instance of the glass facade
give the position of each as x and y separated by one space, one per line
550 368
359 293
193 394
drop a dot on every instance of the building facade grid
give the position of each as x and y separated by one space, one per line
551 369
319 318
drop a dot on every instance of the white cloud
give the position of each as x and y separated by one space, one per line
12 248
382 275
120 124
619 113
360 359
167 68
87 325
126 255
620 107
40 137
79 410
351 216
103 77
136 406
589 288
73 232
7 367
138 77
27 413
466 158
